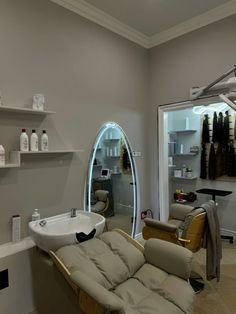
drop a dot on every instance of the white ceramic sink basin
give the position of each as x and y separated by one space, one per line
61 230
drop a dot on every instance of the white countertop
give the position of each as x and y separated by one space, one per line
11 248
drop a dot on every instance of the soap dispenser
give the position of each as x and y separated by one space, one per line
35 215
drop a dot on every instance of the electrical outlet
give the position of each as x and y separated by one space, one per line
146 214
143 214
137 154
4 283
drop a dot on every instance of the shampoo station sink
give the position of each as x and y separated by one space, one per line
57 231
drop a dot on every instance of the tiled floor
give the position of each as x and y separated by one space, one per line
219 297
120 221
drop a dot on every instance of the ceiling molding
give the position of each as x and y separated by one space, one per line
95 15
98 16
194 23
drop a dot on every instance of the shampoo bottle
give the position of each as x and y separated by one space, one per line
44 141
34 142
35 215
24 141
2 156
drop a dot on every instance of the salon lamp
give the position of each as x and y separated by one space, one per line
225 90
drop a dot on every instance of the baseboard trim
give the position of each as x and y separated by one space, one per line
228 232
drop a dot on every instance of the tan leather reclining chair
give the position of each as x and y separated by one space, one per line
114 274
185 227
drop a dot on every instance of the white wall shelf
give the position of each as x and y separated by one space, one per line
25 110
184 178
8 165
58 151
15 156
182 131
185 154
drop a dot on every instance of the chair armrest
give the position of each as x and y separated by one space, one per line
160 225
104 297
172 258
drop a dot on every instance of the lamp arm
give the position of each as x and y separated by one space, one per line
233 69
228 101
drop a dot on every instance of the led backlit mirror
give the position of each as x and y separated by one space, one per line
111 188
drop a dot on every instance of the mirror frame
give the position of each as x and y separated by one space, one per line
87 190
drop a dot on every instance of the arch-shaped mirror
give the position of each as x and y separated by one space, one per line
111 188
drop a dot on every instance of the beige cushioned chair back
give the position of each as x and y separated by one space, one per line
179 211
108 259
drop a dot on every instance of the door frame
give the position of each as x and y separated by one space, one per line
163 179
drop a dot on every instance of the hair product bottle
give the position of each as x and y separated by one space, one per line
34 142
2 156
24 141
44 141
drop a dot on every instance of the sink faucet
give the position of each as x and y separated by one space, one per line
73 212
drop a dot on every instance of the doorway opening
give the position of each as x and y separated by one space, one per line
180 144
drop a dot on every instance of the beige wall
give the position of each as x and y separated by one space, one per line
18 298
195 59
89 76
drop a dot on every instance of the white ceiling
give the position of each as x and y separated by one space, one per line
151 22
154 16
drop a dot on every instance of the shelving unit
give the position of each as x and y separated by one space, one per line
25 110
187 138
15 156
60 151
